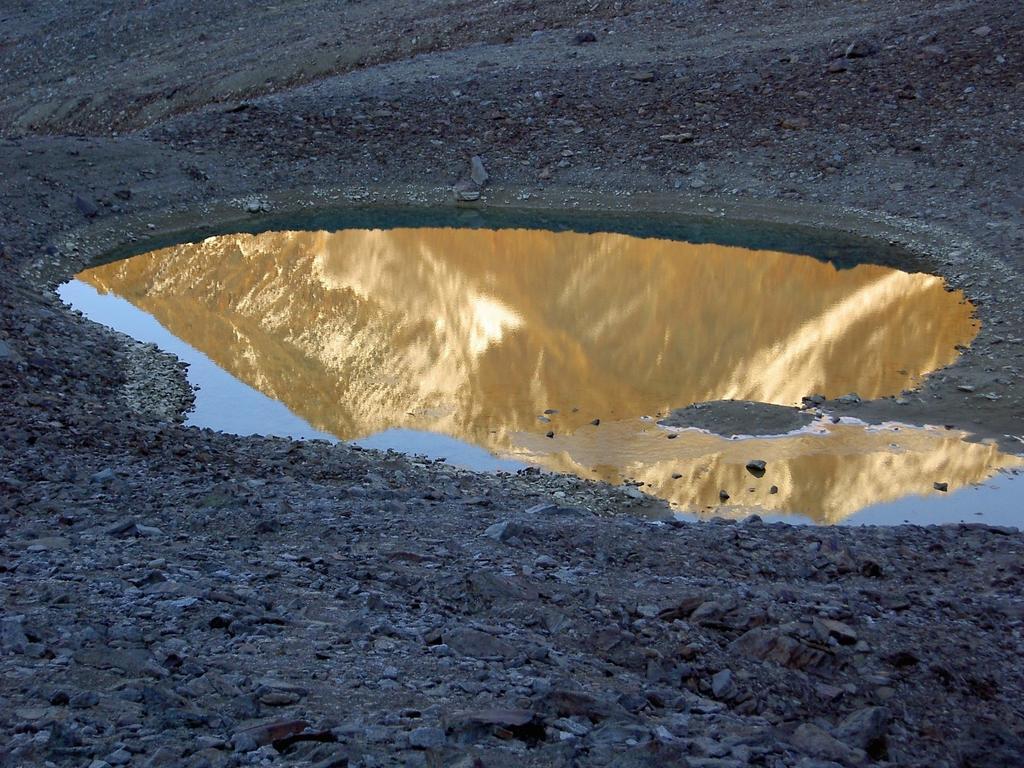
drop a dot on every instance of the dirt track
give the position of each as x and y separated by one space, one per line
900 120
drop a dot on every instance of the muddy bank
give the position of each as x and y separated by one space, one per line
175 597
739 417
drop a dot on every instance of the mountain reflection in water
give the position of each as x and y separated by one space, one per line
474 333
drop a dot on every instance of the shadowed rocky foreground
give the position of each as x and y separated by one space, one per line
178 597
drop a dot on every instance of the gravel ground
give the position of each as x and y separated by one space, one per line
178 597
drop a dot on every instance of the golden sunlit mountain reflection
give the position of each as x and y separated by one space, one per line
826 473
475 333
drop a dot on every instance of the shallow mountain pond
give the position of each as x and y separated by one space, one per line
499 346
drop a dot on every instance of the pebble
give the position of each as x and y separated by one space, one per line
756 467
427 738
119 757
86 207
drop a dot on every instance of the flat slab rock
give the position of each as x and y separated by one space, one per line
739 417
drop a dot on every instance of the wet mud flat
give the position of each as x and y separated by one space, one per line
177 597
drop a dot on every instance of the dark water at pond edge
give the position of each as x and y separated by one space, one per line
498 348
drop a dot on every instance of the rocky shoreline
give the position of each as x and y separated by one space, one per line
173 596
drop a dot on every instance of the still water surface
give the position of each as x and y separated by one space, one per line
477 344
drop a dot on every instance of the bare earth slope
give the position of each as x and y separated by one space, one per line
167 593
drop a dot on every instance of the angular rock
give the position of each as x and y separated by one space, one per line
279 698
795 123
12 635
467 191
244 742
267 733
479 645
477 172
427 737
119 757
860 49
568 703
496 716
164 756
843 633
130 660
86 207
105 476
682 610
771 644
507 530
817 742
492 586
722 684
866 729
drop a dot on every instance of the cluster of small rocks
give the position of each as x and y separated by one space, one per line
322 607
